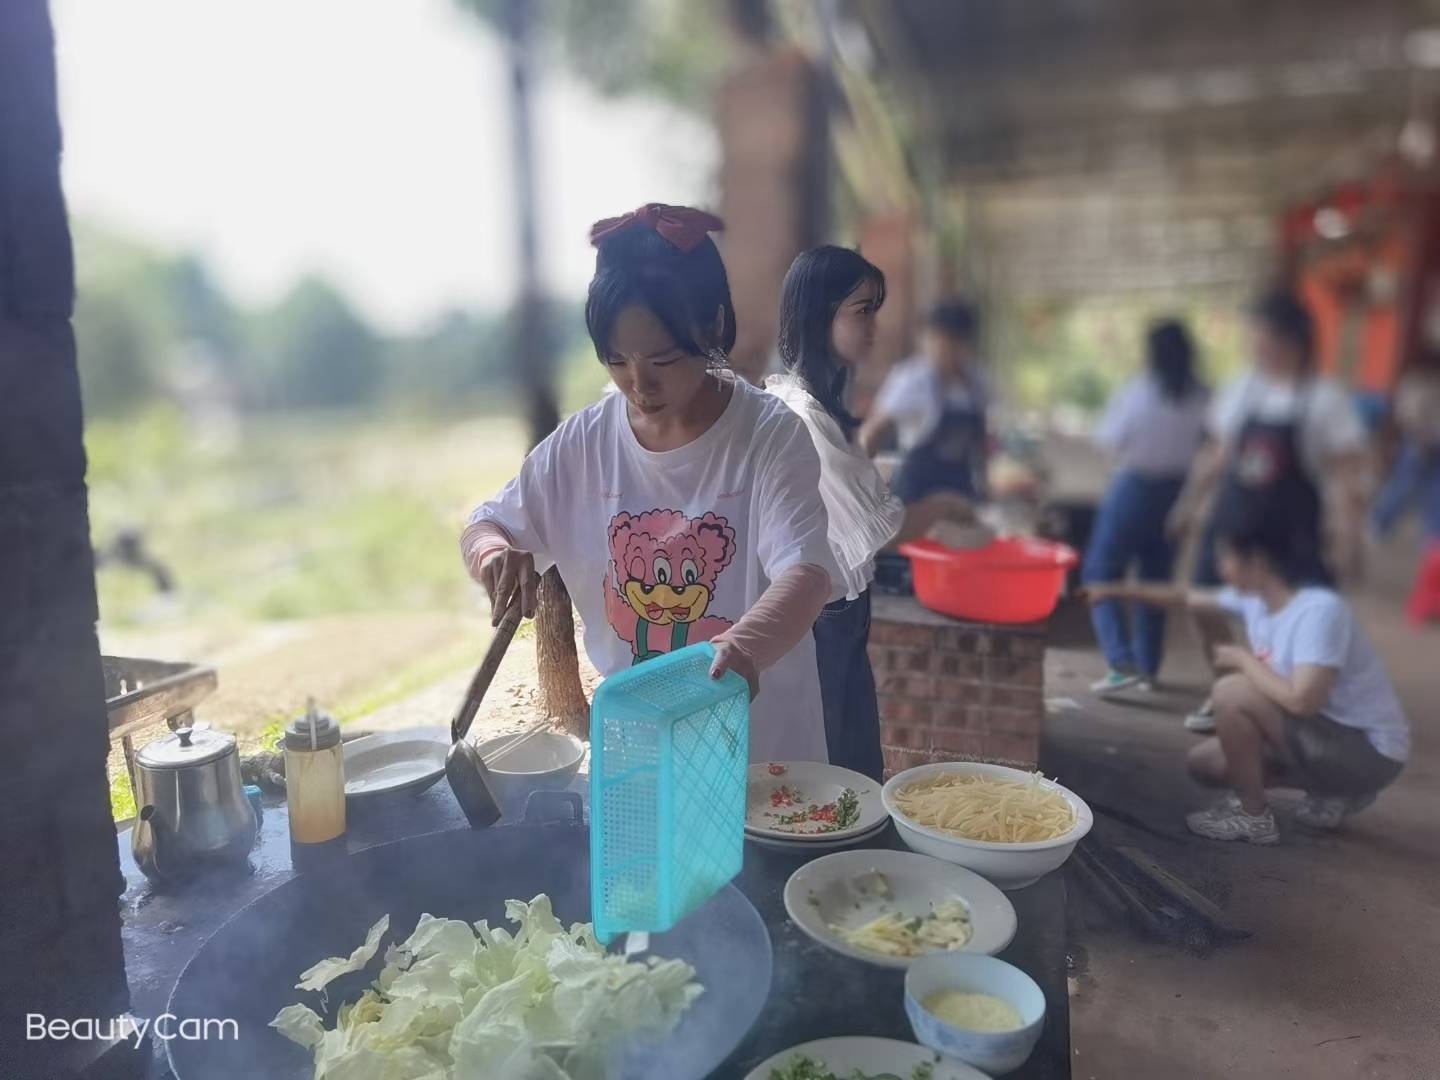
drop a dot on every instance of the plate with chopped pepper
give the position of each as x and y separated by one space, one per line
809 801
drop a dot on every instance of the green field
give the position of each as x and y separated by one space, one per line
293 518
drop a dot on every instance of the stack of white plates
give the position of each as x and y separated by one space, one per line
808 808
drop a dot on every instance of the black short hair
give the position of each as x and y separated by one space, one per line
1285 315
816 284
958 318
1254 525
684 290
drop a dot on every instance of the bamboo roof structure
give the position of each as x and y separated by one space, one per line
1104 145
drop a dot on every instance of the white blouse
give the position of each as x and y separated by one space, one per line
864 515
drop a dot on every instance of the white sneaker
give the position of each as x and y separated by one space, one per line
1202 720
1114 682
1226 820
1329 812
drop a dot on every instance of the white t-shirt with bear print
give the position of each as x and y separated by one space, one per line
662 550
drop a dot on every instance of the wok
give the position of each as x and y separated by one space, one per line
247 970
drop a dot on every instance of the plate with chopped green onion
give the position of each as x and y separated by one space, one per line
805 801
857 1057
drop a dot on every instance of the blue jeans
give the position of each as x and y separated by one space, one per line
1130 528
847 686
1414 478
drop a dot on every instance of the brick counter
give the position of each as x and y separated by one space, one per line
952 690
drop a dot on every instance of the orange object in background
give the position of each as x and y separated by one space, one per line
1424 605
1007 581
1366 259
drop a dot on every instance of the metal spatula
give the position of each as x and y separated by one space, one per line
464 767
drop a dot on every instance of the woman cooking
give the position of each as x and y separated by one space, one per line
937 405
686 506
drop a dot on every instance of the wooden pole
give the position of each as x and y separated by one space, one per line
562 697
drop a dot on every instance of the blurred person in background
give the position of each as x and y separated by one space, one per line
1414 481
1307 705
1280 436
936 405
827 328
1153 428
684 508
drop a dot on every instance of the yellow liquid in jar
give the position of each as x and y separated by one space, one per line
315 794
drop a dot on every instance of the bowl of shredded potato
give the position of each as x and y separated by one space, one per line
1009 826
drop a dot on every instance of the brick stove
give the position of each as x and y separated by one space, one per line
956 691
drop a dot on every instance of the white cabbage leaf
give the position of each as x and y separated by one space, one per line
327 971
457 1002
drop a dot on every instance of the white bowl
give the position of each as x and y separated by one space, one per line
993 1051
847 1053
546 761
841 890
1010 866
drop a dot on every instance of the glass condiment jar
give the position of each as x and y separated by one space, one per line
314 778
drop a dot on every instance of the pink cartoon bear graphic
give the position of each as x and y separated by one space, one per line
661 579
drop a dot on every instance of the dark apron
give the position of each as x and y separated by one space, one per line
1267 472
679 635
952 457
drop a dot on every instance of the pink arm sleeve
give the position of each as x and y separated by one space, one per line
479 541
783 615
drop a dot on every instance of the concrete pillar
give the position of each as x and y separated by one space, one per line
774 193
887 240
60 952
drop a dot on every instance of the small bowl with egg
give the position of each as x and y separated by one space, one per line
980 1009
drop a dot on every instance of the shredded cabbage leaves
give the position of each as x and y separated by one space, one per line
455 1002
327 971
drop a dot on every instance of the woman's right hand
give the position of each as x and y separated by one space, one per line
508 576
1179 522
951 506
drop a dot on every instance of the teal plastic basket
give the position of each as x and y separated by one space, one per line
669 748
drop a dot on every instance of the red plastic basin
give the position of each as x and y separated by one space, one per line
1008 581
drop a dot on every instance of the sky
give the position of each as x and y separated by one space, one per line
367 140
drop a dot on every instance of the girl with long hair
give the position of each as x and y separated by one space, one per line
827 328
1153 428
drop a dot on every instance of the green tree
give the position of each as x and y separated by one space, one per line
116 351
316 351
664 47
135 308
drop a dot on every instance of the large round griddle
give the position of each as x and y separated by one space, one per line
248 969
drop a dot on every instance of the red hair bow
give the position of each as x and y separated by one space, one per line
682 226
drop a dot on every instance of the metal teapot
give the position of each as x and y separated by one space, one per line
193 811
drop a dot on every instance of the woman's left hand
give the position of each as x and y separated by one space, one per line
730 657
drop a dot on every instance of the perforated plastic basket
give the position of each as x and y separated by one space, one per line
668 753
